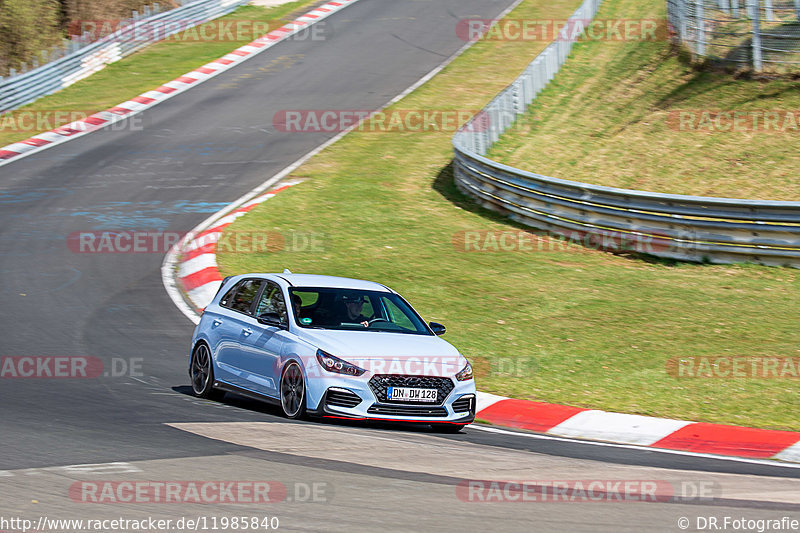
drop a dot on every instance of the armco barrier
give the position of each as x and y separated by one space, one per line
21 89
693 228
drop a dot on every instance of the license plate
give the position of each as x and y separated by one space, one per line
410 394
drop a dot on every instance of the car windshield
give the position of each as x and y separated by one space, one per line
357 310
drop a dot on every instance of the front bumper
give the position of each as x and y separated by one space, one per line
328 397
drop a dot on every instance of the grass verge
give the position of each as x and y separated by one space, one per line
573 326
143 71
633 115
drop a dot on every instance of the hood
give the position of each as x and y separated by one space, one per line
389 353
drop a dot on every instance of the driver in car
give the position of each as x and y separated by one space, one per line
353 305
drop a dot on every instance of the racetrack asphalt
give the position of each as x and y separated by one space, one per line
195 153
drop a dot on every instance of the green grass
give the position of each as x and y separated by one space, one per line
605 120
147 69
575 326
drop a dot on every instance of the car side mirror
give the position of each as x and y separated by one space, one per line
271 319
438 329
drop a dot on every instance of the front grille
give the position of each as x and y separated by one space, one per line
342 398
381 382
405 410
463 404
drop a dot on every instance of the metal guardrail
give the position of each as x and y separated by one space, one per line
22 89
691 228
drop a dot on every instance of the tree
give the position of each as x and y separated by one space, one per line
26 28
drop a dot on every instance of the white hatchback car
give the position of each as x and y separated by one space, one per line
330 347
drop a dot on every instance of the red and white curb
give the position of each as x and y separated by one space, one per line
146 100
662 433
198 274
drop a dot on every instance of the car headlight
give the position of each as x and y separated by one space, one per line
465 374
331 363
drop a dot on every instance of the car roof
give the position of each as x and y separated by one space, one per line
315 280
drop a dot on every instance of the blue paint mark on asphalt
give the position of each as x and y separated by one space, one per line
76 275
150 215
34 195
200 207
200 149
124 220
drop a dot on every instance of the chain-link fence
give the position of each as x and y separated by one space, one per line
763 35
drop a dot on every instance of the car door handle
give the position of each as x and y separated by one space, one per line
247 332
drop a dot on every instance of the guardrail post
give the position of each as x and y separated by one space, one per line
545 67
511 111
519 97
701 27
502 112
483 139
678 11
527 87
494 116
757 60
769 11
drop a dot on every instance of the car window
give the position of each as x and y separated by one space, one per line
240 297
367 310
396 315
307 298
272 301
358 310
305 304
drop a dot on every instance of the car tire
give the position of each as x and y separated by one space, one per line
293 391
448 428
201 373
